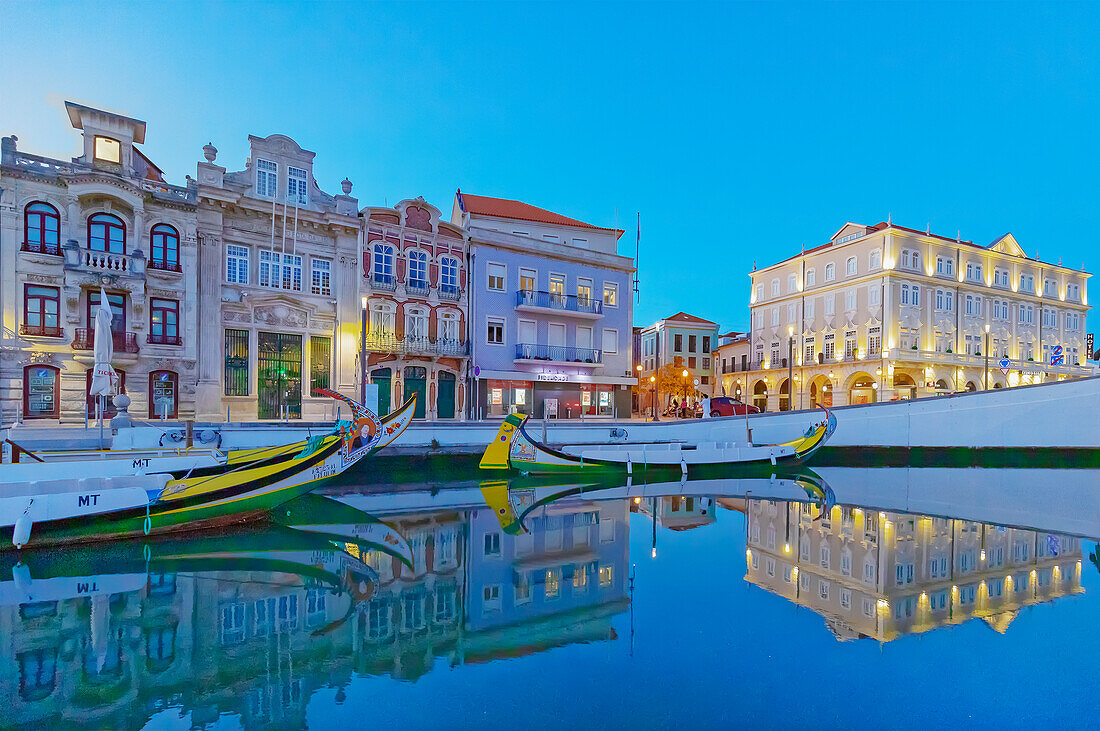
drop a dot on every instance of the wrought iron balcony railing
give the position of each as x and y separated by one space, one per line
554 301
164 339
450 292
124 342
417 288
165 266
561 353
417 346
383 282
41 247
41 331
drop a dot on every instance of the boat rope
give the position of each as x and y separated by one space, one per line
148 522
148 554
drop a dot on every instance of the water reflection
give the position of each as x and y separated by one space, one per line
399 583
884 574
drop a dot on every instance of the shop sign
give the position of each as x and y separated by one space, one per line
555 377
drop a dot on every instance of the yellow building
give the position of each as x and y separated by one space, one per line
886 574
886 312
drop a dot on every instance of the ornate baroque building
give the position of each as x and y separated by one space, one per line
277 286
416 302
106 219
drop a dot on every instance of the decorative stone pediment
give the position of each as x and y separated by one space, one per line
280 315
1007 244
910 317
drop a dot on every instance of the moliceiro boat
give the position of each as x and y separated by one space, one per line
56 506
513 448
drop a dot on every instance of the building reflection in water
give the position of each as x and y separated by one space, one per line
257 644
885 574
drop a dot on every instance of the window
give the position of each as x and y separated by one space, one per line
117 303
850 300
973 305
1073 292
945 266
236 362
557 288
775 316
1049 317
809 304
163 394
492 544
706 343
41 311
874 295
830 272
322 277
41 392
973 272
823 590
944 300
1027 314
811 277
1000 278
874 341
791 312
41 229
497 273
830 346
1050 288
830 304
267 179
164 244
106 232
320 362
825 556
610 341
850 266
610 294
280 271
849 344
869 571
759 292
876 259
418 271
1073 321
692 342
448 274
164 321
296 189
809 354
775 288
678 343
236 264
107 150
495 333
1027 283
792 283
383 264
584 291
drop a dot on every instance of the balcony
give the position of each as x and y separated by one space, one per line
418 288
165 266
164 339
123 342
41 247
559 354
417 346
450 292
532 301
383 282
932 357
40 331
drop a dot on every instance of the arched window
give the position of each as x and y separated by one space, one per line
418 271
41 392
163 394
41 229
109 409
164 247
106 232
850 266
448 278
383 264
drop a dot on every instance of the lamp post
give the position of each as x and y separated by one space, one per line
985 386
790 368
363 355
683 403
638 370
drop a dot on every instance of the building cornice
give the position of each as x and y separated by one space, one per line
524 245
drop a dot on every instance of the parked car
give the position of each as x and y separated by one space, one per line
729 406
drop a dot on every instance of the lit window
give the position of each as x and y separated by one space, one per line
108 150
610 294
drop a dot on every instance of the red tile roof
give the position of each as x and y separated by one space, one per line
685 317
482 205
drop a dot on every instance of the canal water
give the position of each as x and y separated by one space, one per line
833 597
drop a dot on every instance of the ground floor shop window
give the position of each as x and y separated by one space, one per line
41 392
320 362
597 400
164 394
236 362
508 397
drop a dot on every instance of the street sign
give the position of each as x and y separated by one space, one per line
1004 363
477 371
1056 358
1089 352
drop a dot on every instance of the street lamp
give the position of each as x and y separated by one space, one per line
363 355
986 351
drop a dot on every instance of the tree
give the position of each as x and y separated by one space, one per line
672 382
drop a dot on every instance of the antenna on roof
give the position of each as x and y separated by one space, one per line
927 229
637 253
958 234
889 219
1059 261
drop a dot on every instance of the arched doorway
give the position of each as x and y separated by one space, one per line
416 381
821 392
863 389
382 377
785 395
941 387
998 384
760 395
904 386
971 386
445 396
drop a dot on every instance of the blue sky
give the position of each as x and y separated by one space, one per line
740 131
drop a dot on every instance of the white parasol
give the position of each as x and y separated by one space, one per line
103 375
